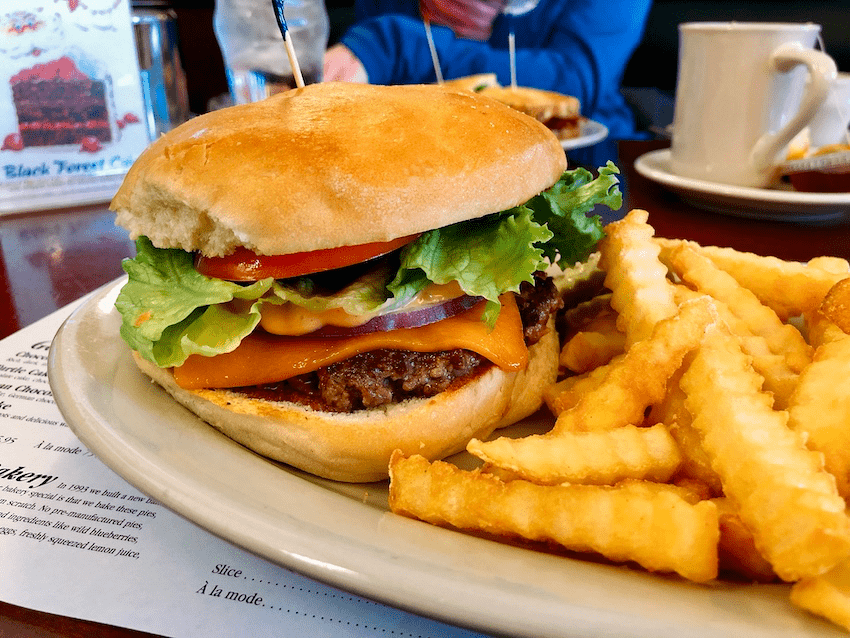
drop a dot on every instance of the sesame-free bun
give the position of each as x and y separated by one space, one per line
334 164
356 447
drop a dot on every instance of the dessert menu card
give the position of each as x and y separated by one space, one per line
72 113
77 540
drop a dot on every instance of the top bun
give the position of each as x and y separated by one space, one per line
334 164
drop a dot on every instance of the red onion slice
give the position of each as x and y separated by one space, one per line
397 320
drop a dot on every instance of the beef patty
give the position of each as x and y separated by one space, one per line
371 379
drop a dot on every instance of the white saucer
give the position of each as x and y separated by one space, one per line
591 133
741 201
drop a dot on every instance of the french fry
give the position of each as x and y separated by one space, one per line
827 595
632 382
757 319
831 320
650 524
836 305
779 488
789 288
638 379
602 457
779 378
703 424
736 550
821 330
566 393
595 339
592 337
819 408
834 265
695 462
587 349
641 293
672 412
692 490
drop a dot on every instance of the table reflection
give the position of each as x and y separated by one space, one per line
52 258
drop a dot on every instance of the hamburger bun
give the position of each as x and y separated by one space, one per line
292 174
356 447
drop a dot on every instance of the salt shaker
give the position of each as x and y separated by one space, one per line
255 58
163 79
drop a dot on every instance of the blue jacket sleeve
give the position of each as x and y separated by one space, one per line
578 47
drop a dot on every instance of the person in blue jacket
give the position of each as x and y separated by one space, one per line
577 47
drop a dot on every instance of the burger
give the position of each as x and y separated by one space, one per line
559 112
343 270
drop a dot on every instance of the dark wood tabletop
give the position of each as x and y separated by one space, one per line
51 258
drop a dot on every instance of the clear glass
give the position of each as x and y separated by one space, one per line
254 54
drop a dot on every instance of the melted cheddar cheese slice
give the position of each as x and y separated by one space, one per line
265 358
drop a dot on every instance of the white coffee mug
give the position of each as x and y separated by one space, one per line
742 94
829 125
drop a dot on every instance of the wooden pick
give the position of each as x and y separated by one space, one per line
434 58
287 42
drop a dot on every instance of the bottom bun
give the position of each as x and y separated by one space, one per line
356 447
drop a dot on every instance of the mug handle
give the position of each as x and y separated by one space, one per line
822 72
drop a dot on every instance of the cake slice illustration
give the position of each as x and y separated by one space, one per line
57 103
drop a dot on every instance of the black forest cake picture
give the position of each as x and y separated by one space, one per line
59 87
58 104
73 116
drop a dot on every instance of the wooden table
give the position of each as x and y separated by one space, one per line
49 259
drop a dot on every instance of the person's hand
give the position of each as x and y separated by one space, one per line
341 65
471 19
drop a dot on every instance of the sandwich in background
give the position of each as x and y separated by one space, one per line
558 112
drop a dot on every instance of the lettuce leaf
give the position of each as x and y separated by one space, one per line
564 209
165 295
487 257
495 254
171 311
366 295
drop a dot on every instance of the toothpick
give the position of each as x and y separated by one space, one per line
287 43
512 9
512 53
434 58
293 60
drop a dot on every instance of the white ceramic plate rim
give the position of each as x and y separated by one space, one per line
655 165
342 534
591 133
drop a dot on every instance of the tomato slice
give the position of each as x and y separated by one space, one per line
246 265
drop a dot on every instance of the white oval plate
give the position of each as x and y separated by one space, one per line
591 133
343 534
741 201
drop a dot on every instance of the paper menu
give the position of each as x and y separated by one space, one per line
77 540
72 113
